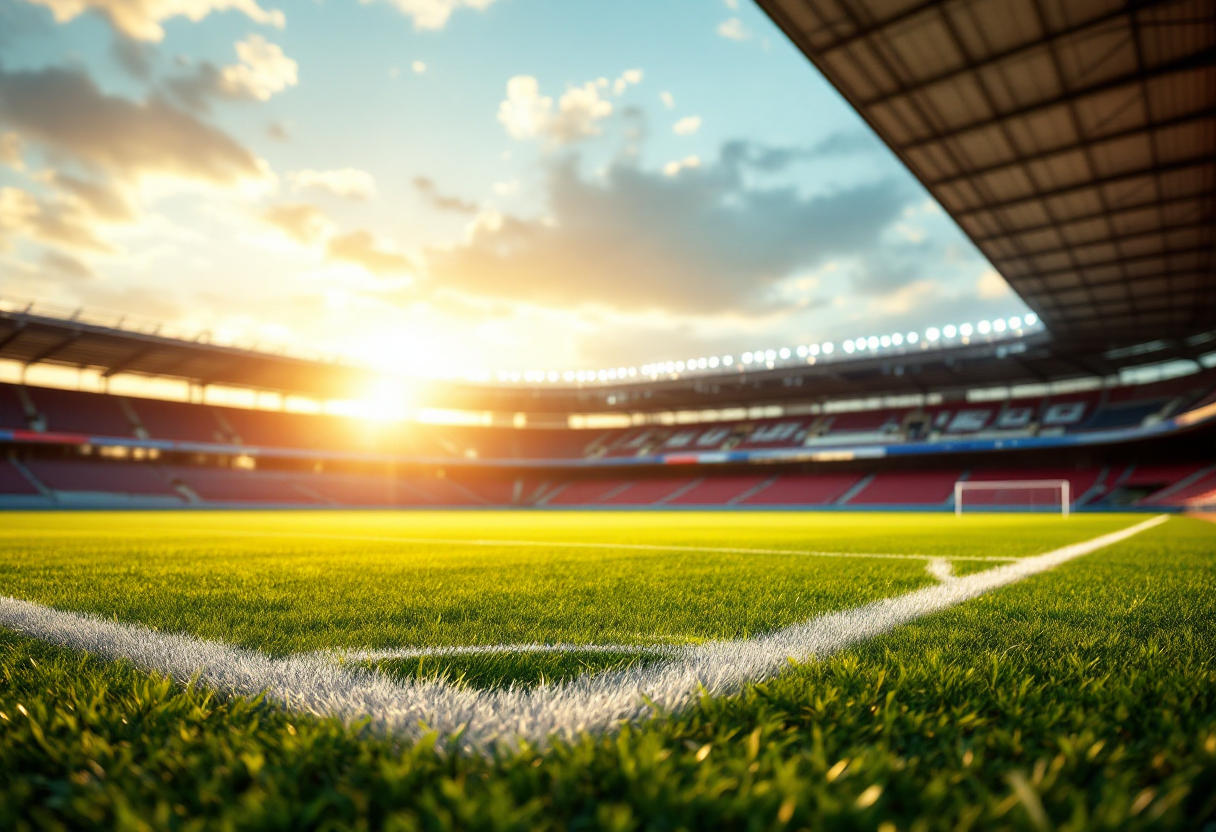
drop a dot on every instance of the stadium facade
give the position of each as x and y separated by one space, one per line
1074 142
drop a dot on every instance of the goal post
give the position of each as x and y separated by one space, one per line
1006 494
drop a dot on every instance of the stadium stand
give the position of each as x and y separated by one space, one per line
648 492
179 421
584 493
906 488
99 476
12 481
12 411
92 414
804 490
718 491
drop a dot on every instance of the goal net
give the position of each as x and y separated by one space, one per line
1024 495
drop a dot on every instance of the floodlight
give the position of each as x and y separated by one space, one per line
670 366
827 348
713 361
885 341
679 366
1031 319
848 346
747 358
872 342
949 331
897 339
965 330
999 325
770 355
1015 322
515 375
801 350
727 360
783 353
503 375
812 350
913 337
932 333
568 375
984 327
702 363
633 371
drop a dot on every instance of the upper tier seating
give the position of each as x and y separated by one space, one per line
70 411
178 421
94 475
907 488
803 490
12 413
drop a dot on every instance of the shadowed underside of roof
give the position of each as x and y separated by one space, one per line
1073 140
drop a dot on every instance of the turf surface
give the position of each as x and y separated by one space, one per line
1079 699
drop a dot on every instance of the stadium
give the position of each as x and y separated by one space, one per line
951 577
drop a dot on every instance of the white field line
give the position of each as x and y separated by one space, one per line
343 654
483 719
582 544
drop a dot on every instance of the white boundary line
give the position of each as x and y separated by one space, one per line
483 719
580 544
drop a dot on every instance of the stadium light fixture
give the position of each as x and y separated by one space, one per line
812 350
679 366
949 331
801 351
713 361
872 342
1015 322
849 347
633 371
897 339
1031 319
747 358
932 334
984 327
784 353
770 355
965 330
828 347
884 341
998 325
913 337
728 360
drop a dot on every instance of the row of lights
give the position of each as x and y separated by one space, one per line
871 343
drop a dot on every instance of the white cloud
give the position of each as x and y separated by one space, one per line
991 285
419 67
668 99
347 182
687 126
434 14
733 29
141 19
672 168
628 77
527 114
263 71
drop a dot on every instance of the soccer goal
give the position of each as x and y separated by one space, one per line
1029 495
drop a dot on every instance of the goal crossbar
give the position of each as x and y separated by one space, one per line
963 486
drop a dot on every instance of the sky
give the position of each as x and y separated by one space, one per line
460 186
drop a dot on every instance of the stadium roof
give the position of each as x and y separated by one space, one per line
32 338
1073 140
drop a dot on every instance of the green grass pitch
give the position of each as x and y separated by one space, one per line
1083 697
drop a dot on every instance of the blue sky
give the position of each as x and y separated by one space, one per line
461 185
